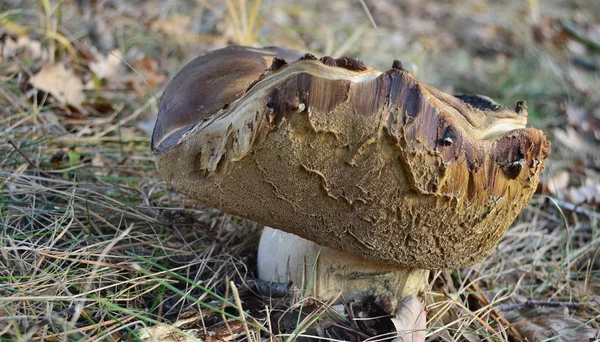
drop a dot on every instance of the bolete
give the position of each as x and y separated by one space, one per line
368 178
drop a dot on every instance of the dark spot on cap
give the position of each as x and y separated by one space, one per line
521 107
270 104
277 64
447 141
308 56
520 154
479 101
513 169
397 65
293 103
329 61
352 64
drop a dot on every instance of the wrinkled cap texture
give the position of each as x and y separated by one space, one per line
371 163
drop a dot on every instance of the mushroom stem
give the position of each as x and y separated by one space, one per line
323 272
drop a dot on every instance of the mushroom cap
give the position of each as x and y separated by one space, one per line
206 85
371 163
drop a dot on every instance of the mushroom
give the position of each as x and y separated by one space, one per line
368 178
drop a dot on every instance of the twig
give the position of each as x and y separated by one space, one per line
573 207
482 298
269 325
570 29
537 303
585 63
88 262
368 13
238 303
43 173
487 327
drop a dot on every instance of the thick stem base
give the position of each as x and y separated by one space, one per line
324 272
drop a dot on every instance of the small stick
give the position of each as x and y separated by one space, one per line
88 262
269 325
487 327
536 303
45 174
482 298
238 303
225 321
573 207
570 29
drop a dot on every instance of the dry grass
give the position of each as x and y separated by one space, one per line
93 246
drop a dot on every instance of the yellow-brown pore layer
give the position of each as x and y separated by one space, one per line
386 169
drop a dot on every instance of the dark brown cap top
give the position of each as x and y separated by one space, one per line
206 85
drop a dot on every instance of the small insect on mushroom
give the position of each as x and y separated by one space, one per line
521 108
447 141
397 65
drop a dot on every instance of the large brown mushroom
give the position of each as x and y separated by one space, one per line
390 176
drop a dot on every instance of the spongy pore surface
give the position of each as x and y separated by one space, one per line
375 164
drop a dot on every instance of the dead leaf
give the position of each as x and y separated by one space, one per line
558 182
150 74
62 83
176 26
583 119
21 47
106 66
165 333
538 324
572 140
179 331
588 193
410 321
98 160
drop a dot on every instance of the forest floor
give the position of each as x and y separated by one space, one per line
94 246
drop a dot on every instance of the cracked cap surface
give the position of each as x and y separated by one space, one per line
372 163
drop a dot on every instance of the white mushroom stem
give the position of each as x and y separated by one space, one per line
324 272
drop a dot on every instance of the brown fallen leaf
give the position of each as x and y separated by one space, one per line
571 139
588 193
12 46
410 321
582 119
176 26
558 182
62 83
540 324
149 75
106 66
